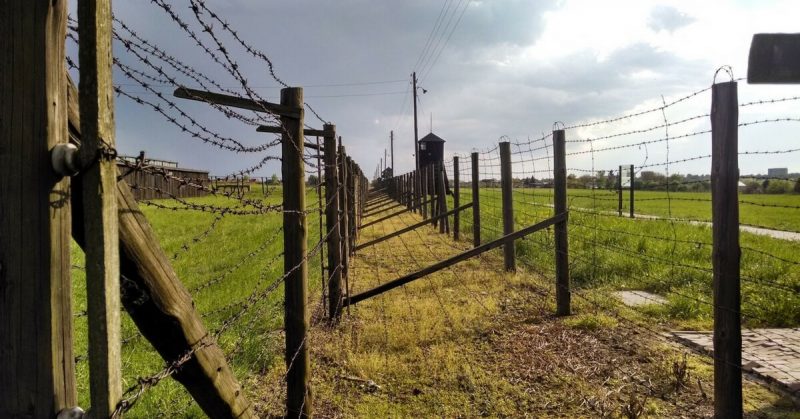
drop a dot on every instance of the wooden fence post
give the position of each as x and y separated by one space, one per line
456 200
433 182
507 187
344 215
423 176
101 224
619 191
476 207
726 252
358 204
351 204
37 367
443 225
418 191
401 195
411 190
295 267
633 186
434 208
332 221
563 304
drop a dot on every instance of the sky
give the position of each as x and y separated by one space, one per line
492 70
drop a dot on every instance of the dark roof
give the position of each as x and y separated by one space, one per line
431 138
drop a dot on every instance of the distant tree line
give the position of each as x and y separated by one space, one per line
647 180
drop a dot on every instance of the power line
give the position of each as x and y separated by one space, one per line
444 45
430 35
358 94
403 108
435 42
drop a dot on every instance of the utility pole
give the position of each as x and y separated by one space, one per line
391 146
416 134
385 160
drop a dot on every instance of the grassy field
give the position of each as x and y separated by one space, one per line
224 266
781 212
672 259
242 253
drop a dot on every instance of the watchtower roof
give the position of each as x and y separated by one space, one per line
431 138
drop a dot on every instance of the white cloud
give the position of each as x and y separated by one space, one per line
511 68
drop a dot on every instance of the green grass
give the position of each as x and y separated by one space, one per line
606 253
781 212
672 259
254 343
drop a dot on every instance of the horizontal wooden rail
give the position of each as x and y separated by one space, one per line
237 102
394 214
279 130
412 227
455 259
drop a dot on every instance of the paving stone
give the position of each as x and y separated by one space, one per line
773 354
639 298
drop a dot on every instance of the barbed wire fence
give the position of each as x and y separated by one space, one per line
663 244
229 268
213 317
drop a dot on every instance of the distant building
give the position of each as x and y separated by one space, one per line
172 182
778 172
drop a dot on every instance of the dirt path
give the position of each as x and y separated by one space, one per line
761 231
778 234
473 341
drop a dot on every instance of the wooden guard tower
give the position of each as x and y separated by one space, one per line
431 150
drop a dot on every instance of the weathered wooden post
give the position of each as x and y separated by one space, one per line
456 200
351 204
476 205
411 192
726 252
295 231
358 204
401 192
432 196
619 191
432 185
443 225
507 187
423 175
563 305
101 225
37 368
633 187
344 215
332 221
419 192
